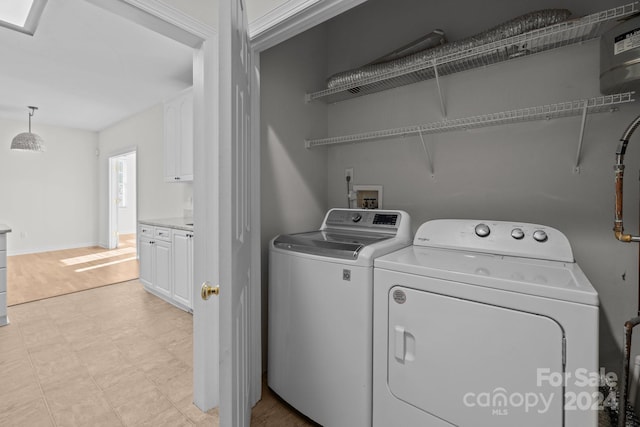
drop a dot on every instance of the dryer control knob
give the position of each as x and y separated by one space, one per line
482 230
356 217
517 233
540 236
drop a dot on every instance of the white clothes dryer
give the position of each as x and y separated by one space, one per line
484 323
321 313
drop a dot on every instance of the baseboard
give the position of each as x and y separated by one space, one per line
11 252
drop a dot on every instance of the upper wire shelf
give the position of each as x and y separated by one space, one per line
543 112
547 38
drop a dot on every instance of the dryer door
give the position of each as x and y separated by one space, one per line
474 364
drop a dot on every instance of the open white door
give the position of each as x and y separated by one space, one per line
235 199
113 203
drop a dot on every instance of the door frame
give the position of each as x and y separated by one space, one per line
112 238
282 23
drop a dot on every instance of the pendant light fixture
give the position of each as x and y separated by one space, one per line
28 141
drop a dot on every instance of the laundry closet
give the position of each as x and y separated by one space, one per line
552 171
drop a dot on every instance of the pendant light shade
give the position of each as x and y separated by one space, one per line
28 141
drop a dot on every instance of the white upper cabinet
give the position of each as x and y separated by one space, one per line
178 138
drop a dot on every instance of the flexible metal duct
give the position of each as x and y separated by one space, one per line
522 24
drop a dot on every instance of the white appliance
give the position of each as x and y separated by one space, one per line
321 313
478 323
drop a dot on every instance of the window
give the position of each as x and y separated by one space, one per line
21 15
121 168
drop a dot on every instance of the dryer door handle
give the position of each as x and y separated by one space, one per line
405 345
400 343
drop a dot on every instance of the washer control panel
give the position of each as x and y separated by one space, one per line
496 237
363 218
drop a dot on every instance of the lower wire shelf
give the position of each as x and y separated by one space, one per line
543 112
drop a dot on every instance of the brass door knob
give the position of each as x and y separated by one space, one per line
207 290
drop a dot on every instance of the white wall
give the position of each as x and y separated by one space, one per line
156 198
49 199
520 172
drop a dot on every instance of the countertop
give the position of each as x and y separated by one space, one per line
4 229
184 223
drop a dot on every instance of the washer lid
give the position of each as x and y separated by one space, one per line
550 279
335 244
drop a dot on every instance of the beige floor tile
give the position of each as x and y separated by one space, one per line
179 388
196 416
8 331
128 388
160 374
86 412
77 401
168 418
18 380
137 347
98 366
27 312
116 375
12 349
32 413
211 419
144 408
40 333
52 368
17 393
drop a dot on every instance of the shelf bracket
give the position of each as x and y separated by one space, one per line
576 169
426 151
435 71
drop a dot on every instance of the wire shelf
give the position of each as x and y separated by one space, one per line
543 112
551 37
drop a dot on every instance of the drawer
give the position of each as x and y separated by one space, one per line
3 242
3 259
145 230
162 233
3 280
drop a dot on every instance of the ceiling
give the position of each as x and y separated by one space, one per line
87 68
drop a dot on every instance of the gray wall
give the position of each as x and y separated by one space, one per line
521 172
293 179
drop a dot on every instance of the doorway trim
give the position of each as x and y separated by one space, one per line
175 24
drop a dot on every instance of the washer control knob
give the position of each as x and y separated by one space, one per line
540 236
482 230
517 233
356 217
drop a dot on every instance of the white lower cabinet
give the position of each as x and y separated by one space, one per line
182 242
3 278
166 264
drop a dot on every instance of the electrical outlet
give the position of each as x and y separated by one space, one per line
348 173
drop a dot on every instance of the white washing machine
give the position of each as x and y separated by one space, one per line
484 323
321 313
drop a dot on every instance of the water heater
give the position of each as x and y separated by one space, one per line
620 57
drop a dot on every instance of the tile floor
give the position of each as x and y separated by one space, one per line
75 361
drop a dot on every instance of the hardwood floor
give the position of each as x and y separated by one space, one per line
32 277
